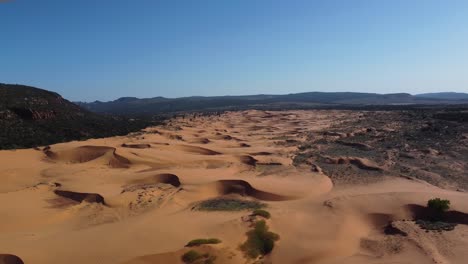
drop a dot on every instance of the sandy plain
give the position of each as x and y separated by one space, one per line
131 199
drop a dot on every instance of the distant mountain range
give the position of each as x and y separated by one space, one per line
136 106
445 96
31 116
34 117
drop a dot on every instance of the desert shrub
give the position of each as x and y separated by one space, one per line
191 256
222 204
439 207
203 241
262 213
436 225
260 241
194 257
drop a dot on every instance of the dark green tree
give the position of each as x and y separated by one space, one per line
438 208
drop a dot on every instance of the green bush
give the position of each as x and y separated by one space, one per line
191 256
203 241
224 204
439 207
194 257
262 213
260 241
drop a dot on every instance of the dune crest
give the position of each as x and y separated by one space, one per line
137 146
248 160
198 150
167 178
81 197
241 187
85 154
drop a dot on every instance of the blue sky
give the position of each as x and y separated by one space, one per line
101 50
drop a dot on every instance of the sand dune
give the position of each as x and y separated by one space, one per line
248 160
159 178
224 187
261 153
222 256
220 136
197 150
200 141
84 154
137 146
81 197
380 220
143 213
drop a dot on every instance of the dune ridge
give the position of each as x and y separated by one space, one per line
225 187
167 178
198 150
81 197
137 146
85 154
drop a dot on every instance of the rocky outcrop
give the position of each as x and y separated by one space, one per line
31 114
361 163
32 117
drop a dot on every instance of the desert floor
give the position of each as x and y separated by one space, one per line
133 199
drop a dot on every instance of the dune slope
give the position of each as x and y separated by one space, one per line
131 199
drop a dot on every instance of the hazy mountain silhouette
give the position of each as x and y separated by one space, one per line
445 96
131 105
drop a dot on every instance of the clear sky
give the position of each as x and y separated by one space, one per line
104 49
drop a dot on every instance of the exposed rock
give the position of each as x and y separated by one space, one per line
407 155
361 146
334 134
316 168
361 163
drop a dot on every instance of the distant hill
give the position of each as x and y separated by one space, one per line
135 106
445 96
33 117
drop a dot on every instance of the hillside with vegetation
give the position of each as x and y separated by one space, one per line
32 117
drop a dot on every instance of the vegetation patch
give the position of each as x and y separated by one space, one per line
438 207
262 213
203 241
195 257
436 217
31 117
191 256
260 241
435 226
224 204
